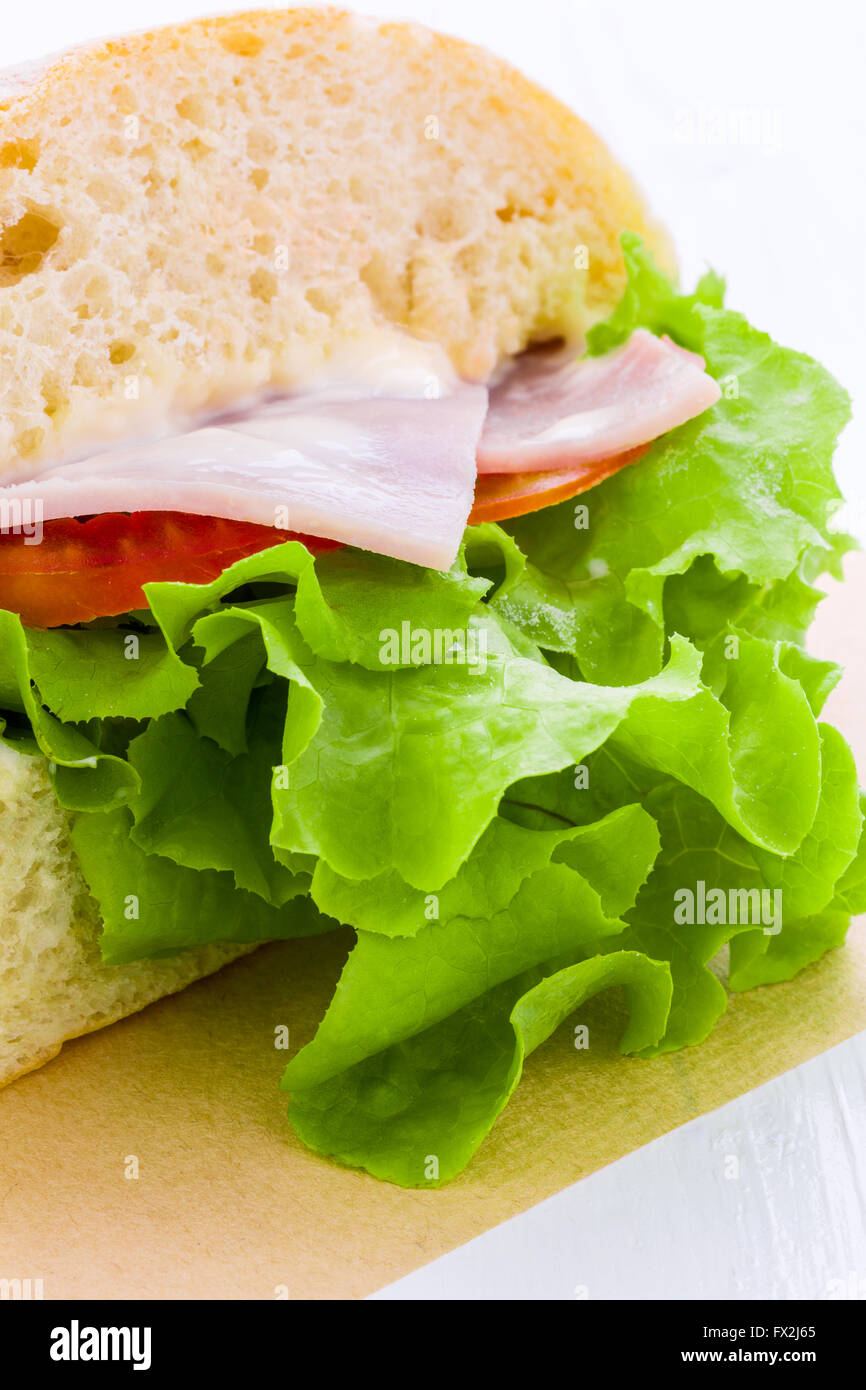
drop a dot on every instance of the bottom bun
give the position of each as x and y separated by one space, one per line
53 983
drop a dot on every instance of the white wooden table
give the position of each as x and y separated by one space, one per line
763 1198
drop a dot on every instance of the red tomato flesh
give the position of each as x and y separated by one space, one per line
95 568
499 496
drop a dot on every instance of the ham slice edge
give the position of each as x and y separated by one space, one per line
390 474
554 410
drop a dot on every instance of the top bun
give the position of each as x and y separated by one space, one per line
198 213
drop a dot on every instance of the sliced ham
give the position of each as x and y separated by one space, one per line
391 472
392 475
553 410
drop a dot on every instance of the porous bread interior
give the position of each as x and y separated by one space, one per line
53 984
195 214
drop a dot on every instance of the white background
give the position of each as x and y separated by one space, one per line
746 125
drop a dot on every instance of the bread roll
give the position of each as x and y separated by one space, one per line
193 215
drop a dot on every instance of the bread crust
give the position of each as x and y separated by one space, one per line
221 956
22 88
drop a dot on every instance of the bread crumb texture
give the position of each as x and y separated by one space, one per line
53 984
202 212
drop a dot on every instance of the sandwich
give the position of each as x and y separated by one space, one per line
387 542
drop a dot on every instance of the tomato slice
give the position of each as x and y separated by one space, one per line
499 496
94 568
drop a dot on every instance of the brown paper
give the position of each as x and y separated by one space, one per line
229 1204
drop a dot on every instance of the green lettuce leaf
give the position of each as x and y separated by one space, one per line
344 601
416 1113
205 809
749 483
487 882
700 848
153 907
102 673
470 994
86 778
